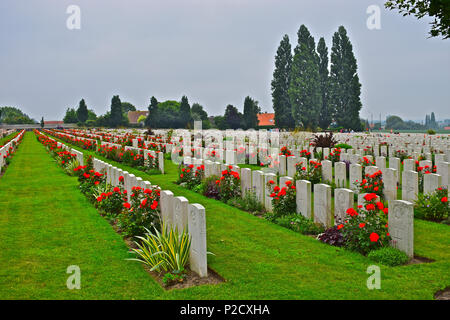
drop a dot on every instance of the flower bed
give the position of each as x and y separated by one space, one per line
11 150
165 250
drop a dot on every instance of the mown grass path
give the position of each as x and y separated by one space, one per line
261 260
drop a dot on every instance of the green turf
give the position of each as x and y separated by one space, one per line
6 139
261 260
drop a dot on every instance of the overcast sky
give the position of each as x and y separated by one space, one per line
214 51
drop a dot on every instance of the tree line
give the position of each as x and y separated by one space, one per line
12 115
307 93
167 114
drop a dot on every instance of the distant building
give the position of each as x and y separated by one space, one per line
53 123
133 116
266 119
446 128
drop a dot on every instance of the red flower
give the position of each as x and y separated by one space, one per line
121 178
352 212
374 237
370 206
154 205
370 196
380 205
444 199
127 205
276 189
339 227
271 182
362 225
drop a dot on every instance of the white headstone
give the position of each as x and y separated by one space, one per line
343 199
401 225
197 229
303 197
322 204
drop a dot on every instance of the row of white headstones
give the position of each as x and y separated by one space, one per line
400 217
343 197
177 212
144 152
5 149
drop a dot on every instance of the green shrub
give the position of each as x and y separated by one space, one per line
343 146
209 187
366 228
283 198
249 203
388 256
431 131
229 184
432 206
299 223
167 250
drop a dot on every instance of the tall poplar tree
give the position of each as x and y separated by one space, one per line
433 123
344 82
152 117
116 112
185 112
304 90
82 111
280 85
326 112
251 110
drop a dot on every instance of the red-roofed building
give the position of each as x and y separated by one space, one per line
133 116
53 123
266 119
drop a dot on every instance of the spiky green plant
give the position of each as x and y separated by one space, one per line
166 250
70 166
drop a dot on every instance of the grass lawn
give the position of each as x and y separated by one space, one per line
261 260
6 139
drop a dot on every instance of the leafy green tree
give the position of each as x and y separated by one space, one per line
197 110
304 90
185 112
394 122
251 110
104 120
42 122
280 85
116 117
92 115
233 118
326 112
126 106
71 116
82 112
220 123
12 115
168 115
344 82
439 10
152 117
198 114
